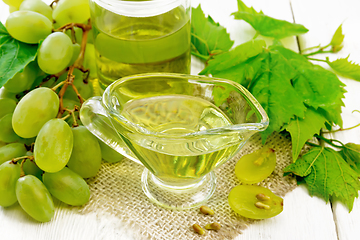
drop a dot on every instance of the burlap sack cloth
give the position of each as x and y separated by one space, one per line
117 190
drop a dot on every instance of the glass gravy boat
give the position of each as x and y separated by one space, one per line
180 127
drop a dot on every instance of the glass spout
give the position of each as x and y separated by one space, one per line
95 118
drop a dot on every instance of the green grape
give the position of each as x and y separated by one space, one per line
28 27
7 133
7 105
85 159
26 141
89 60
76 52
83 88
53 145
67 186
37 6
2 144
12 150
255 202
13 3
256 166
13 9
34 198
69 11
55 53
109 154
70 104
78 32
30 168
4 93
22 80
9 174
34 110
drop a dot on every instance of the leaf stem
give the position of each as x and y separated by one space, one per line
317 52
329 141
312 144
319 60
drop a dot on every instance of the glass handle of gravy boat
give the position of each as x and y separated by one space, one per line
95 118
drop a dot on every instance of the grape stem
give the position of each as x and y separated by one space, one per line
23 160
15 160
72 113
53 2
78 64
56 76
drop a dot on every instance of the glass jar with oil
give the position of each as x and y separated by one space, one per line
140 36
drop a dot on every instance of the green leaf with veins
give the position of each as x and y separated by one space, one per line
303 129
14 55
267 26
351 154
236 56
345 68
207 36
320 88
284 82
327 174
337 39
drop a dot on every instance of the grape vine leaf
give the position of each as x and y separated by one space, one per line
14 55
351 154
207 36
345 68
327 174
239 54
284 82
320 88
203 31
265 25
303 129
337 39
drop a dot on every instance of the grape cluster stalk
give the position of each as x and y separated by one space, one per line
45 152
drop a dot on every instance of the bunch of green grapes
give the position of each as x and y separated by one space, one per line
45 153
254 201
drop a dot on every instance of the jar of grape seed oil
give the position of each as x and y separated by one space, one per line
140 36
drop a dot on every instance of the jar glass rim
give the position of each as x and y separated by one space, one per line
145 8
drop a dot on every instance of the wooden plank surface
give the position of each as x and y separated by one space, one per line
303 217
322 19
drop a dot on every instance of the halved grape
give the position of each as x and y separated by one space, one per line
34 110
55 53
85 159
34 198
256 166
27 26
53 145
22 80
9 174
12 150
67 186
109 154
255 202
37 6
68 11
7 133
7 106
